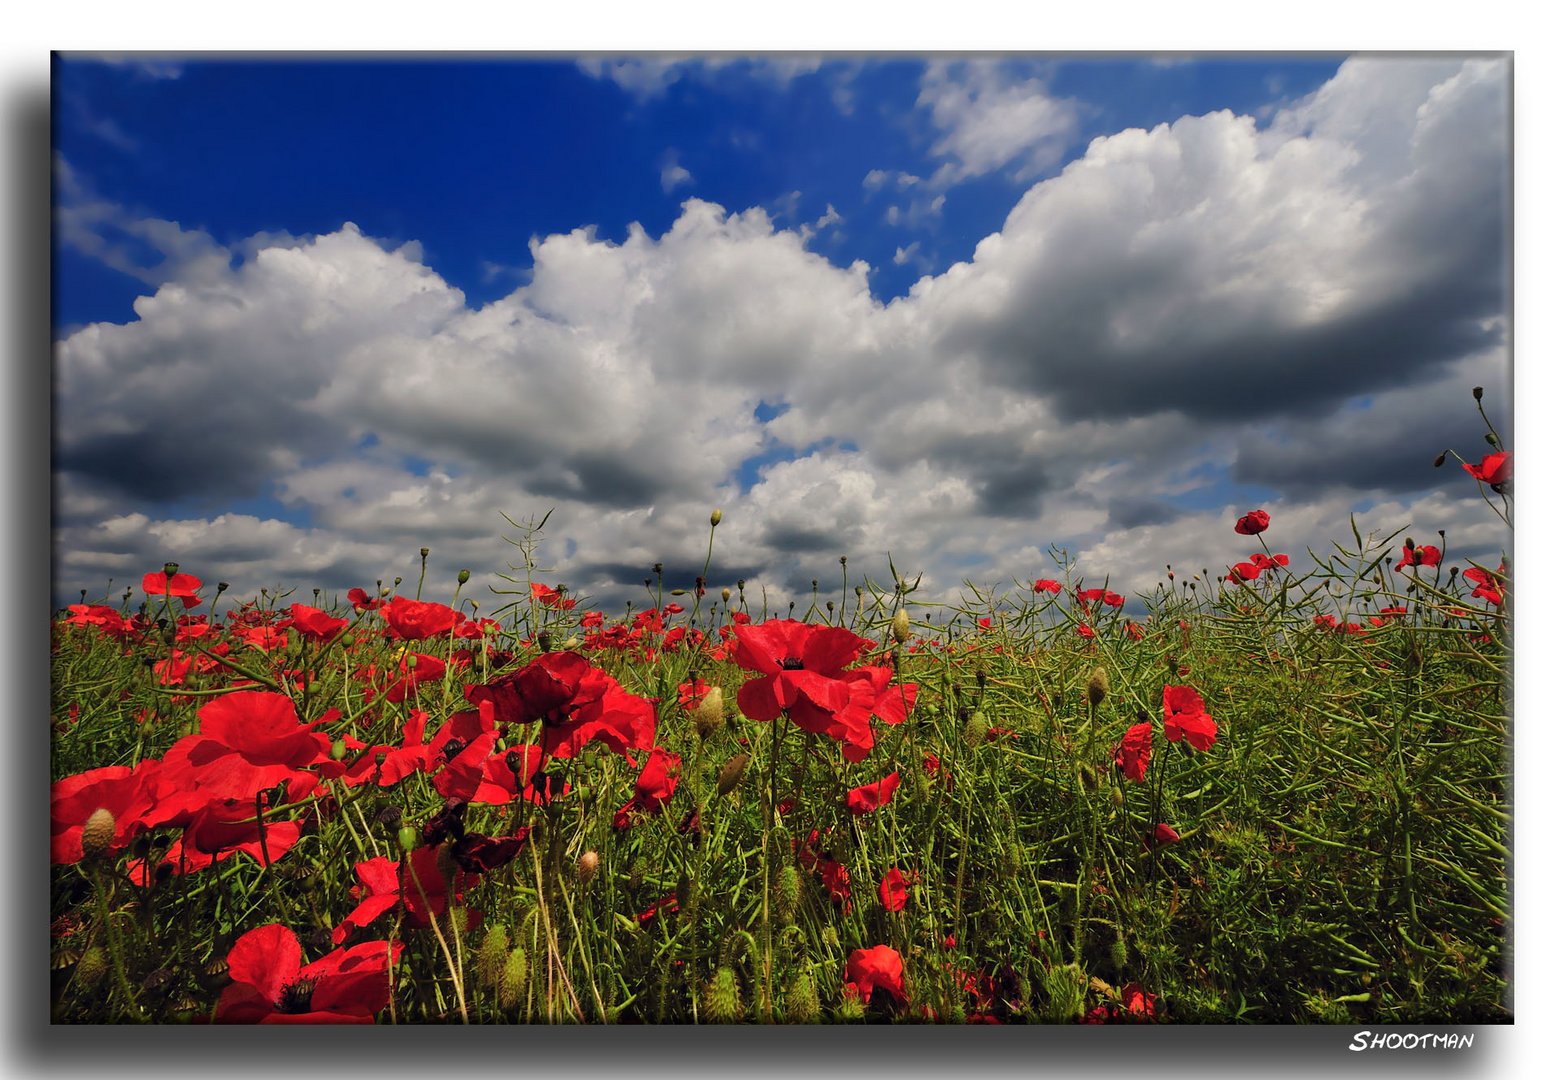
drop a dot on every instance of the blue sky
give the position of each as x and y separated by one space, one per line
312 314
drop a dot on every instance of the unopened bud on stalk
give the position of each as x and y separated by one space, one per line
716 518
98 833
407 837
802 1000
724 1003
1096 686
90 969
678 592
586 866
423 553
463 576
512 981
727 594
492 954
901 626
339 750
708 714
1492 440
1476 392
731 773
1438 462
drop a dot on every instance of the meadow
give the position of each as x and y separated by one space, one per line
1282 793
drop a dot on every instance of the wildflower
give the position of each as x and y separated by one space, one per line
414 620
1495 469
800 670
1085 631
1414 556
361 600
876 971
576 702
315 624
1243 571
1161 836
1488 587
1252 523
179 587
249 741
1046 585
870 797
271 985
1184 716
892 890
1134 752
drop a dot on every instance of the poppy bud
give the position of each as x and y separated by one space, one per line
463 576
1492 440
830 939
1096 686
727 594
423 553
724 1003
91 968
683 891
572 642
512 980
98 833
1438 462
1118 952
786 894
339 750
901 626
802 1000
1476 392
716 518
708 715
407 837
586 866
492 954
678 592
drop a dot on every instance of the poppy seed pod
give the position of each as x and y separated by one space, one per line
1476 392
463 576
407 837
98 833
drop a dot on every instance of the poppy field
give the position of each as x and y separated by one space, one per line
1281 794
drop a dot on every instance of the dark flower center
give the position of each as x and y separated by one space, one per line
295 997
791 663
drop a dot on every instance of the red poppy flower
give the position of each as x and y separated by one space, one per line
1184 716
550 597
1413 556
1046 585
1138 1002
272 986
1488 587
388 765
315 624
1243 571
1495 469
361 600
413 620
1134 752
576 702
800 670
870 695
122 791
181 587
1162 835
250 740
870 797
876 969
1252 523
892 890
1134 630
1085 631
